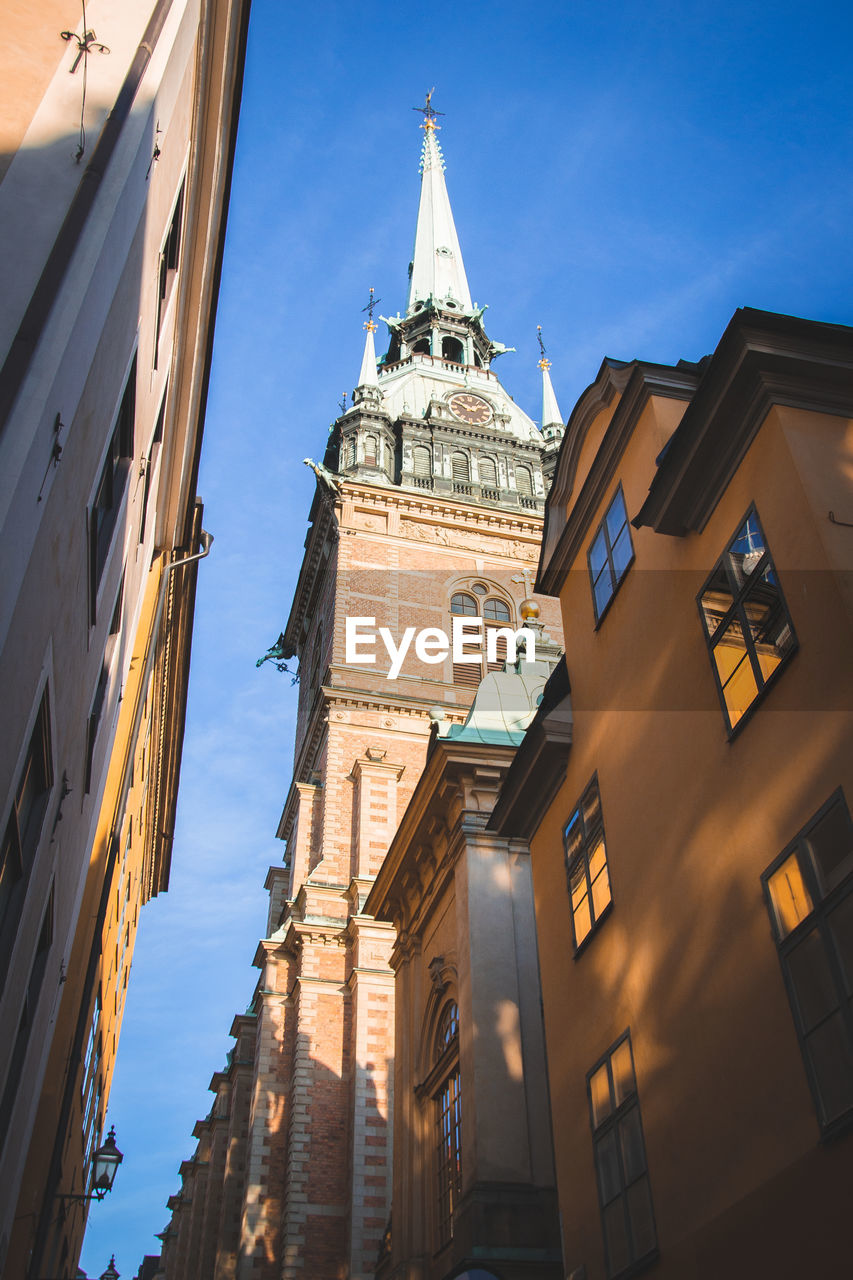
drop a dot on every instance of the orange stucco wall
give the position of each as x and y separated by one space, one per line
691 820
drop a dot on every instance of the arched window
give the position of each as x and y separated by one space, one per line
421 347
488 471
371 450
495 613
461 602
352 452
448 1116
422 460
460 467
524 481
496 610
452 349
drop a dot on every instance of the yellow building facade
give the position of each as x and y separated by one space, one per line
117 142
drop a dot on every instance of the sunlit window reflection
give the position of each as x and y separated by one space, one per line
746 622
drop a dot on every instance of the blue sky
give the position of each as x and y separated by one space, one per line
624 175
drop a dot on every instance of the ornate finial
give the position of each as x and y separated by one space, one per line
544 362
342 403
369 323
429 113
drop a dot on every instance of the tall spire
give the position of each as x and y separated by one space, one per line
552 419
437 269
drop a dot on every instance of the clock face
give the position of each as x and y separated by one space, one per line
470 408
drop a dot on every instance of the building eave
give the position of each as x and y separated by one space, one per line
763 359
566 525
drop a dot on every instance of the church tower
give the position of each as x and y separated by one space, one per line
428 507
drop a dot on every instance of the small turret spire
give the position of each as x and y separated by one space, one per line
437 270
552 419
368 380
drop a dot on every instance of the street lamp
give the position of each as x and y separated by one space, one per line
105 1163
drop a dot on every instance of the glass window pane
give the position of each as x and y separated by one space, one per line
640 1216
790 897
616 1237
582 921
829 1050
622 1067
602 591
830 843
591 808
465 604
749 538
597 554
616 518
735 671
812 978
600 893
631 1143
716 601
573 835
607 1163
599 1093
496 610
841 928
622 552
597 860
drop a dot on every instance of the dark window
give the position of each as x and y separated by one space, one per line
610 554
809 890
448 1109
586 864
22 832
620 1161
150 464
747 624
94 721
170 257
108 496
452 349
25 1022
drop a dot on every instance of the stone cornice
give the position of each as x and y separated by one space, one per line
452 801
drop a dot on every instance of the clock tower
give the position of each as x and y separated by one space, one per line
429 504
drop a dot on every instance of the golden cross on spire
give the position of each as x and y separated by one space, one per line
544 362
429 113
369 324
